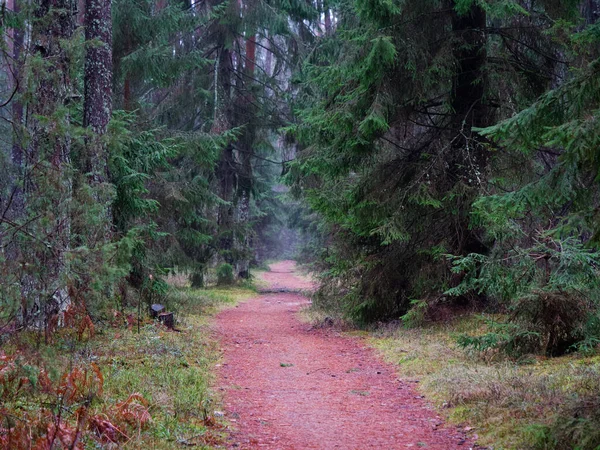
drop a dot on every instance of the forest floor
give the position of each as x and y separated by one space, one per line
146 389
289 385
534 402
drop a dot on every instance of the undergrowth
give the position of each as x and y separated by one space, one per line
105 385
529 403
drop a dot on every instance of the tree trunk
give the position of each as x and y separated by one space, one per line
226 166
469 158
97 107
93 229
246 153
16 208
227 179
12 204
48 179
590 10
467 93
268 57
327 13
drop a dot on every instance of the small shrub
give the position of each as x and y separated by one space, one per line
416 315
512 339
551 323
225 274
539 437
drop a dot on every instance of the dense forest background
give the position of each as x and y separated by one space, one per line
422 156
450 151
435 153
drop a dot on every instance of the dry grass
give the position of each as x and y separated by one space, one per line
320 318
543 404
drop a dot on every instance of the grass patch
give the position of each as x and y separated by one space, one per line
535 403
321 318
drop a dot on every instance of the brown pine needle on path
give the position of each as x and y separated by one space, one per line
289 386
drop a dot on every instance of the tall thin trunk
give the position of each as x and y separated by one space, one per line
327 13
470 56
97 85
47 178
469 157
246 152
17 118
268 57
97 110
468 87
250 55
81 12
13 206
226 166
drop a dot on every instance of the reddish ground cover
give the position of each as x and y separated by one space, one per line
289 386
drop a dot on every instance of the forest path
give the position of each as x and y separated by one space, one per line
288 385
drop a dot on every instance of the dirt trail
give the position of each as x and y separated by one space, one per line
289 386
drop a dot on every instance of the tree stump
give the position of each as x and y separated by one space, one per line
167 319
156 309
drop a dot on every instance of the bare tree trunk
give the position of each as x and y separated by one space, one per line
268 57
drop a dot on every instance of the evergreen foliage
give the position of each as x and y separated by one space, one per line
225 275
544 258
436 152
139 197
388 107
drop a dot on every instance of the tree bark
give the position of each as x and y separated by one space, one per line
97 110
17 202
247 151
97 86
469 158
48 185
12 206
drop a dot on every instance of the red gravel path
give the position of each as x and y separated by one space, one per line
289 386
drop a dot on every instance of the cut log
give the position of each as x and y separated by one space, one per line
156 309
167 319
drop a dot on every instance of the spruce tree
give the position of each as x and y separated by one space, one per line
386 112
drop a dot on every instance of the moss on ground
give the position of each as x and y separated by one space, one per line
534 403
